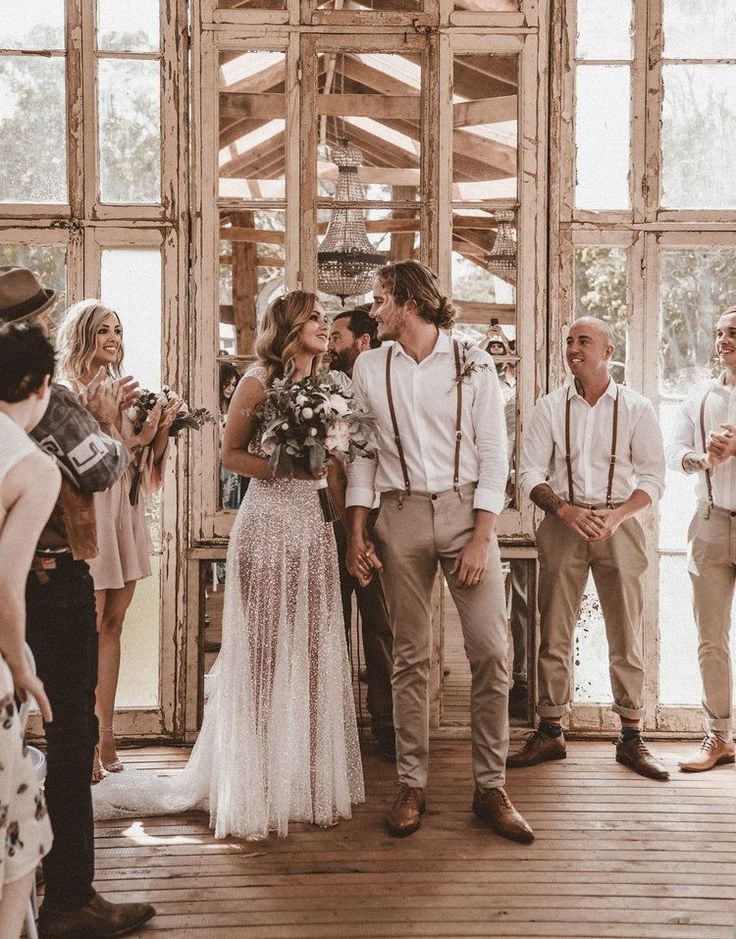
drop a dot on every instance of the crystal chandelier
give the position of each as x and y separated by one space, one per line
346 260
501 259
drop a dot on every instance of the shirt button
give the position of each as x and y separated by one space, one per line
433 497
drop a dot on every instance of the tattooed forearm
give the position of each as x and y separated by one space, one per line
543 496
695 463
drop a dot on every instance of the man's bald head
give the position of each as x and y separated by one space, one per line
587 323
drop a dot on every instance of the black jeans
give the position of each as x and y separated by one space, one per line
62 633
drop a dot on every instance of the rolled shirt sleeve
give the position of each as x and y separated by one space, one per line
361 473
489 425
537 450
683 439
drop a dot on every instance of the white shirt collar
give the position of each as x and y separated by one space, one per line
572 391
441 347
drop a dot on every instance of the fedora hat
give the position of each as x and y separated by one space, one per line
22 295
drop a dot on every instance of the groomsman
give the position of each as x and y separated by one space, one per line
441 473
351 333
704 442
592 459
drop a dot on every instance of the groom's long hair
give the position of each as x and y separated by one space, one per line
411 280
278 340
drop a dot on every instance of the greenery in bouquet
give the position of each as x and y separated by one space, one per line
310 422
185 419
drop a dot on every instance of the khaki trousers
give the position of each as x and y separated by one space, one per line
712 568
413 533
617 565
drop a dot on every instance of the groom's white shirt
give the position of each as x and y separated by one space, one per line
425 401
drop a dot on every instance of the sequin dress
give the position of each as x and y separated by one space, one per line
279 739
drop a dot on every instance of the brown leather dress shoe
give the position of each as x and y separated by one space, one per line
98 919
494 806
635 754
538 748
712 751
406 812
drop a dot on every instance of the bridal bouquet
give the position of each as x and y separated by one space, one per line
310 422
184 420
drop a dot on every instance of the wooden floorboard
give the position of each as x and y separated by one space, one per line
615 855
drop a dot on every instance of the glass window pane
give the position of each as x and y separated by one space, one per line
679 675
252 261
485 135
372 101
251 4
698 136
48 262
32 129
130 133
131 285
677 505
600 290
252 145
604 29
602 136
696 284
699 29
487 6
40 26
128 25
591 681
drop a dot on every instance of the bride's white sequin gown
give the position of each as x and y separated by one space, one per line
279 741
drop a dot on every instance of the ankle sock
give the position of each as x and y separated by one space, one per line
725 735
629 733
550 730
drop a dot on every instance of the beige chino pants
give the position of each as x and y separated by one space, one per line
413 533
712 568
617 565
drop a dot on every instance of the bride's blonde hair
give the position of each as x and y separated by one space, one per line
77 339
278 338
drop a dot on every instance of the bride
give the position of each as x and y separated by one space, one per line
279 740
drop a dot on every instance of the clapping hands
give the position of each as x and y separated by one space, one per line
720 447
106 399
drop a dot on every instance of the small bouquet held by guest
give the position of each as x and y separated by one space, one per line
311 422
182 418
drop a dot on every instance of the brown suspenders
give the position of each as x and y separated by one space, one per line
612 461
708 480
458 419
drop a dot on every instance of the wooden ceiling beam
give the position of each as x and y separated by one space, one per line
368 105
485 111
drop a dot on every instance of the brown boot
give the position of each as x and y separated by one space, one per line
538 748
712 751
406 813
635 754
96 920
494 806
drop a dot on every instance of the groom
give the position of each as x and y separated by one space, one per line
441 473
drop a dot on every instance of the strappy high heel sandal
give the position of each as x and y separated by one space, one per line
98 774
114 766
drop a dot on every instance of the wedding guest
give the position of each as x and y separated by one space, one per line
61 629
90 339
704 442
441 472
29 486
593 459
232 485
351 333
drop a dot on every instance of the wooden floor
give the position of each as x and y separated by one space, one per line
615 855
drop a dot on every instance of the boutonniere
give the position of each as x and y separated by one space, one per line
467 367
